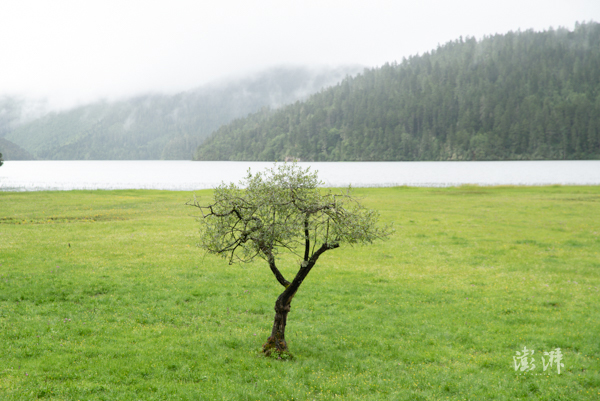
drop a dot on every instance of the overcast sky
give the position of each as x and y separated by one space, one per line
78 50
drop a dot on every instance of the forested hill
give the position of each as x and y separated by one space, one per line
157 126
11 151
517 96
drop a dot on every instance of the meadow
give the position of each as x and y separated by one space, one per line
104 295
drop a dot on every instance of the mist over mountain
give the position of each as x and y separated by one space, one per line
15 111
516 96
155 126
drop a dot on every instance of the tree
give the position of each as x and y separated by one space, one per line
278 211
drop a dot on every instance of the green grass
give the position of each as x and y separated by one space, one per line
104 296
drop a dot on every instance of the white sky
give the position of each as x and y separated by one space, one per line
78 50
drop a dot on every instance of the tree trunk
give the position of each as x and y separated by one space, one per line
276 342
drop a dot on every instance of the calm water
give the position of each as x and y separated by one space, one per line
189 176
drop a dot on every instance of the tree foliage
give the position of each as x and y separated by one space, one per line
283 210
521 95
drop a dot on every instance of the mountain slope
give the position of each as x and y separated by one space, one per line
158 126
11 151
523 95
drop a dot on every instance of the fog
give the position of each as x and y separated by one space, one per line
72 52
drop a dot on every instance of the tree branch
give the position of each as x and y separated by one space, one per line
274 269
291 289
306 238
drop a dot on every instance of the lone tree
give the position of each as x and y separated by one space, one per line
280 210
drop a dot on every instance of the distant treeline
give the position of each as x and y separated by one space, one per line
155 126
517 96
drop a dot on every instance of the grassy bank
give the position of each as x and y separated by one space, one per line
104 296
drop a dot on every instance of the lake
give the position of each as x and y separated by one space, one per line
188 175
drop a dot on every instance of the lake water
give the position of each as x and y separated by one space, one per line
189 176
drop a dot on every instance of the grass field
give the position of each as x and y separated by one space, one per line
105 296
